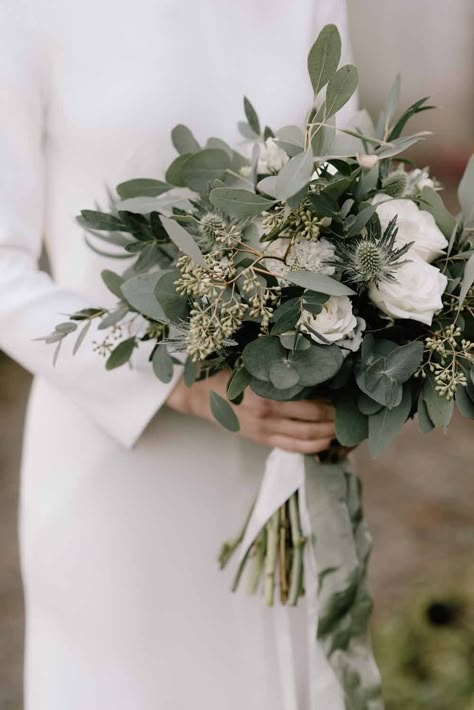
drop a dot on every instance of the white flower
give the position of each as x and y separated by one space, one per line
414 225
367 161
417 180
312 256
302 255
353 340
272 157
415 294
336 322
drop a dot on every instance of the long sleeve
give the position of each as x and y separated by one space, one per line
121 402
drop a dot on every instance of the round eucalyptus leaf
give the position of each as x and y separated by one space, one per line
238 382
283 375
260 354
266 389
317 364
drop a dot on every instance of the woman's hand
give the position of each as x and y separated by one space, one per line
305 427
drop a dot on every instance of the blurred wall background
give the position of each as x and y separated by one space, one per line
419 493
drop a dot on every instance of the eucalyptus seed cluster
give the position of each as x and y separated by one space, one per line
199 282
211 327
262 298
300 222
447 353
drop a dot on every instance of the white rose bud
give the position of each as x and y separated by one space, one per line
414 225
273 157
367 161
415 294
335 322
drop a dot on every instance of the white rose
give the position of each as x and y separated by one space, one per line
272 157
415 294
353 340
414 225
303 254
335 322
312 256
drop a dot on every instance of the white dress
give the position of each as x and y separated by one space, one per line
124 503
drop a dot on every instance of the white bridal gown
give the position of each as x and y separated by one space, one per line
124 502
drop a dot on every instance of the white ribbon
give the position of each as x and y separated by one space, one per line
284 475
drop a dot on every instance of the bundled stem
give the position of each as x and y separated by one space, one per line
278 549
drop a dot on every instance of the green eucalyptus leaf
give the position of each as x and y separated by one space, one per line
424 422
317 364
238 382
173 305
113 282
190 372
184 241
361 220
324 204
432 202
268 185
324 57
101 221
402 362
142 187
138 291
286 316
183 140
174 173
295 175
238 202
260 354
223 412
386 424
352 426
220 145
439 410
340 89
200 170
113 317
466 193
464 403
269 391
121 354
251 116
318 282
162 363
467 281
283 375
367 405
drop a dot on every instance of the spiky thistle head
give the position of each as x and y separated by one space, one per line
373 256
395 183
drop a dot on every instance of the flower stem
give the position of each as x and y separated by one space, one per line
259 549
283 576
270 559
296 576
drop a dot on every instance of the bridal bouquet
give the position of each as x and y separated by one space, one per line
322 266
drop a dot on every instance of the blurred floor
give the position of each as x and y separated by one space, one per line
418 499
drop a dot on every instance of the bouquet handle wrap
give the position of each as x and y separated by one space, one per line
335 568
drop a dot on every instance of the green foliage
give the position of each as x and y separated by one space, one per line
251 116
162 364
121 354
295 175
340 89
183 140
139 292
239 203
324 57
183 240
223 412
142 187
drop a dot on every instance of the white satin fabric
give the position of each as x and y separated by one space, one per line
126 609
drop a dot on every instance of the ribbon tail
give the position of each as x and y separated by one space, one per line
336 582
